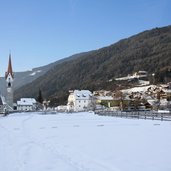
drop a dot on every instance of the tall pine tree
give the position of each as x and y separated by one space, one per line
40 97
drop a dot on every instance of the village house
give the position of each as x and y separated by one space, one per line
62 108
2 105
26 104
80 100
102 99
167 93
140 74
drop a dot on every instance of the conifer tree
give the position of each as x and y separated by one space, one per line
40 97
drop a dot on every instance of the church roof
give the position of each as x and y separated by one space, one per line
9 71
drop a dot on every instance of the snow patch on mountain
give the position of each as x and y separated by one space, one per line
35 72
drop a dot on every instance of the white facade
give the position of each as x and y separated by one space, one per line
9 93
63 108
80 100
26 104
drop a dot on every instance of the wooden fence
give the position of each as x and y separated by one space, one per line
137 114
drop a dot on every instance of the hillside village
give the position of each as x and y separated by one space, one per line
141 96
146 96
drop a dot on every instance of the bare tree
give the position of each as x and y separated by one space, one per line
120 96
158 100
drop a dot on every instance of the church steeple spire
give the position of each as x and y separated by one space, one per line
9 71
9 77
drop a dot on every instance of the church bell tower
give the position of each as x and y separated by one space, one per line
9 77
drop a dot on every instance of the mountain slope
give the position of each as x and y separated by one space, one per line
22 78
149 50
26 77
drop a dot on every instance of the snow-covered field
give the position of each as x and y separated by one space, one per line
83 142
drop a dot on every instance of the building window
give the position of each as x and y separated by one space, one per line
84 101
79 101
9 84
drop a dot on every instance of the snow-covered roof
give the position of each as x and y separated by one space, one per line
167 90
32 100
138 89
104 97
139 74
26 101
142 72
82 94
163 102
151 101
125 78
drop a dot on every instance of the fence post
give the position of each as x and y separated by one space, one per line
152 116
161 116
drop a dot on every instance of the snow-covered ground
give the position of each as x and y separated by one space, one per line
83 142
35 72
138 89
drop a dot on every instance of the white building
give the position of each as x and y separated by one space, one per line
2 105
63 108
80 100
26 104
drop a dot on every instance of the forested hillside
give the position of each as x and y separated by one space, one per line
149 51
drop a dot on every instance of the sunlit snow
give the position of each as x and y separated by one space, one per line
34 73
83 142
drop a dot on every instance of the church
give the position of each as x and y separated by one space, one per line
6 103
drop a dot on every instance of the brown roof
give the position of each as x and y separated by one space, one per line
9 71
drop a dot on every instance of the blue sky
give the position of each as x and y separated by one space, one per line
39 32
